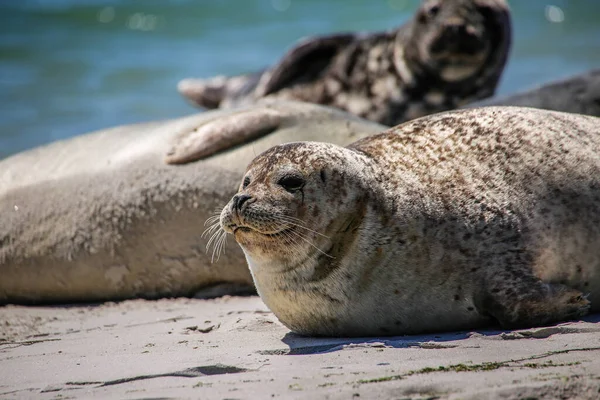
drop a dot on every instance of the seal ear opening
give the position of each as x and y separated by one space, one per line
223 133
323 175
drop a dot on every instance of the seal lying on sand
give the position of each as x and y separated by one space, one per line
576 94
451 53
102 216
441 223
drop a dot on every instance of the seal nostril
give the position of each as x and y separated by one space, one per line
239 200
456 29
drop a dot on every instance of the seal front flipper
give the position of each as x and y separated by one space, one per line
223 133
304 63
518 301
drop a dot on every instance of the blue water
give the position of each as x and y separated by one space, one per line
72 66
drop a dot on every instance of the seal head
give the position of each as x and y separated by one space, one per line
453 39
274 208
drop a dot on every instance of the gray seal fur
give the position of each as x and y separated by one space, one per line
103 217
447 222
578 94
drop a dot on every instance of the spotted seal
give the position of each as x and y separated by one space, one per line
575 94
452 52
115 214
446 222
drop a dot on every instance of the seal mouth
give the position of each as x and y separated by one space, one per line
241 229
275 234
278 233
467 44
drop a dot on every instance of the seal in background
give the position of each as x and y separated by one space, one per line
452 52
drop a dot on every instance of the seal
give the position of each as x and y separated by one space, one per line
452 52
575 94
447 222
114 214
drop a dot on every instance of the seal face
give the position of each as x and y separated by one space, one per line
450 53
447 222
288 204
451 39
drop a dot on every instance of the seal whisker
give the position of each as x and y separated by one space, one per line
291 221
211 220
215 247
215 250
219 247
214 236
311 243
211 229
212 240
294 245
288 217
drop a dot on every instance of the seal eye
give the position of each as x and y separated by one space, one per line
433 11
291 183
429 13
246 182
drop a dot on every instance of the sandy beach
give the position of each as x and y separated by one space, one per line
234 348
77 66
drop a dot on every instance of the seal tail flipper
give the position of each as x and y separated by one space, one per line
527 302
223 133
218 91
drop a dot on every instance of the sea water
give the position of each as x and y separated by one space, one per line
69 67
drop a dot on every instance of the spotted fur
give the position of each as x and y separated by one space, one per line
447 222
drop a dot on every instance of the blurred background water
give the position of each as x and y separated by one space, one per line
68 67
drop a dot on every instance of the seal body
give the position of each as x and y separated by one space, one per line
451 53
575 94
103 217
447 222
